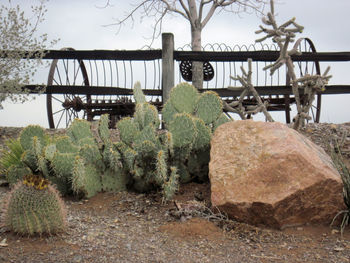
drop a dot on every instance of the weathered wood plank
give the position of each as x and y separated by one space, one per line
94 90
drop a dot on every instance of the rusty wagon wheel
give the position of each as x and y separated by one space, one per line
63 109
309 67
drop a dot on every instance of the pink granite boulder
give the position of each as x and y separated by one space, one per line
268 174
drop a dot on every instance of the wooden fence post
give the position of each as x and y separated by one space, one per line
167 65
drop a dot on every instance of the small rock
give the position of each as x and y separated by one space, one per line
199 196
335 231
300 228
333 127
338 249
77 258
3 182
3 243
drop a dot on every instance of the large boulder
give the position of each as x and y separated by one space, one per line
268 174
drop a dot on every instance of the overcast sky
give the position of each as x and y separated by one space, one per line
79 24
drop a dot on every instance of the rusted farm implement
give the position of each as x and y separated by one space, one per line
87 84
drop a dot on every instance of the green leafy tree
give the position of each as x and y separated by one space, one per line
18 44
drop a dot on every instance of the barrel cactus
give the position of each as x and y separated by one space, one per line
34 207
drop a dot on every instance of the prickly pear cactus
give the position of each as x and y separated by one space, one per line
184 98
144 151
32 139
208 107
28 133
138 93
191 118
34 207
183 129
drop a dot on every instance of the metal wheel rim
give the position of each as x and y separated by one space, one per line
63 117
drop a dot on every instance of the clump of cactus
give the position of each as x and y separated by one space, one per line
145 158
77 162
146 152
160 159
34 207
191 118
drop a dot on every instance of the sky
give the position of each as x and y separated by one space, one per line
81 24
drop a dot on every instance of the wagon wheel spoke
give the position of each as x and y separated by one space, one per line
63 109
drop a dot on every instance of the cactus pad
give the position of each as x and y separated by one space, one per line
168 112
49 151
209 107
138 94
221 120
27 134
148 133
203 135
172 185
146 114
64 145
183 97
79 129
103 128
114 182
145 148
161 168
62 164
183 130
86 180
127 130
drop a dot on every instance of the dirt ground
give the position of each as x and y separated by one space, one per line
131 227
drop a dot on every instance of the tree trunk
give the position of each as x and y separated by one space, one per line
197 66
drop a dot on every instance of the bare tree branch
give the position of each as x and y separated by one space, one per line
175 10
209 14
186 10
201 6
192 7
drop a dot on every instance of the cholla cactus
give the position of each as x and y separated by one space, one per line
283 35
248 88
34 207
